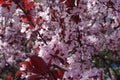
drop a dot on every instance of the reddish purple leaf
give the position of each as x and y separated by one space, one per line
54 74
60 73
34 77
61 0
25 2
38 20
70 3
39 65
19 72
24 18
76 18
25 63
30 27
29 5
9 77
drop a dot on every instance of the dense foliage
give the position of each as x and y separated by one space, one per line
59 39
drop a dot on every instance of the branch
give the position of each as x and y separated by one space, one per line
25 12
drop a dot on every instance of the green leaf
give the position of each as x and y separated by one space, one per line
107 53
37 0
1 76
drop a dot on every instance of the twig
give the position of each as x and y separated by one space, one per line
30 20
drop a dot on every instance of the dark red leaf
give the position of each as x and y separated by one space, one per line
39 65
61 20
2 1
30 27
76 18
25 63
9 77
70 3
19 72
34 77
60 73
29 5
24 18
27 18
61 0
17 1
25 2
38 20
30 17
57 73
5 3
54 74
